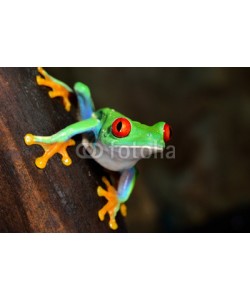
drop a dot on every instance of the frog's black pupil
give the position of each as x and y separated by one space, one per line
170 134
119 126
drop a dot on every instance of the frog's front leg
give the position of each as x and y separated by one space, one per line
59 88
59 142
116 198
50 150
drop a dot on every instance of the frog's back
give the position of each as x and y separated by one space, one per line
108 114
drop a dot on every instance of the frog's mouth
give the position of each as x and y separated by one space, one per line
135 152
117 158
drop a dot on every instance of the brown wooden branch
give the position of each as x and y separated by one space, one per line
58 198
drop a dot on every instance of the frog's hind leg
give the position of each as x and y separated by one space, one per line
59 88
84 99
116 198
113 205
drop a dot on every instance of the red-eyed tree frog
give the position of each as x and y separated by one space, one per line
117 145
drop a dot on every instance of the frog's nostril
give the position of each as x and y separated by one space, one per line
167 133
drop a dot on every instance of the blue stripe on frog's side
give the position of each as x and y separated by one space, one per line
84 99
126 184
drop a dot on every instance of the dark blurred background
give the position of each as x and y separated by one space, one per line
206 188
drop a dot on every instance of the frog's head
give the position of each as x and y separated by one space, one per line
123 134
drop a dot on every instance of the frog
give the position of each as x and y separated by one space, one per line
113 140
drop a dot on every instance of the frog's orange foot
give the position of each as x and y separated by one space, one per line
123 210
112 206
50 150
58 88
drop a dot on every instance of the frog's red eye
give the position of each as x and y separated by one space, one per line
121 127
167 133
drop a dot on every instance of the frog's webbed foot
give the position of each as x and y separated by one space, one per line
50 150
59 89
113 205
123 210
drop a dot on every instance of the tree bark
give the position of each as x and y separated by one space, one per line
57 198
